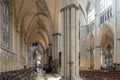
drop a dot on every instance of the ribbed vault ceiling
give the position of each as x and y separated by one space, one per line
36 19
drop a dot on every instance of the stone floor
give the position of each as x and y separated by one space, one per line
41 76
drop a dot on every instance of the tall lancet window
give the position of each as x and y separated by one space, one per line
5 27
104 4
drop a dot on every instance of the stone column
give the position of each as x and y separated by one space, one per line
65 60
62 43
77 44
50 49
27 55
19 54
56 48
71 43
57 35
53 48
116 35
115 31
0 38
97 44
67 40
91 60
103 59
49 54
98 57
54 51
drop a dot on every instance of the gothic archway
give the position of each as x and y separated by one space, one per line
107 46
35 56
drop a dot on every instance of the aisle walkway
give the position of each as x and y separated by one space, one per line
41 76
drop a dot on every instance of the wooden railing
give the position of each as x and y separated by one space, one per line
100 75
18 75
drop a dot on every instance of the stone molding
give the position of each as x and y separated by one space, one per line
69 7
50 44
56 34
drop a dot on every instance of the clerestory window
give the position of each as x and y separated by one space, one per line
104 4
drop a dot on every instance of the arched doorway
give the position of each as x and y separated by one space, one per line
107 47
109 57
35 57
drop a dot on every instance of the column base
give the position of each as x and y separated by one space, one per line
69 78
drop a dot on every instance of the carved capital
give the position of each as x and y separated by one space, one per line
56 34
69 7
50 44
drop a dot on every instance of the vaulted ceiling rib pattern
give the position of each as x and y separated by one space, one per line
35 18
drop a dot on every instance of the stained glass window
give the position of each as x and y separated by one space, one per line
5 25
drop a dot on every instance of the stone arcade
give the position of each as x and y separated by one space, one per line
73 39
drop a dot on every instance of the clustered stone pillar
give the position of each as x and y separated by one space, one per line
67 32
56 51
72 47
97 54
62 44
70 43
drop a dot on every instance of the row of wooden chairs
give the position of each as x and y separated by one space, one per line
100 75
18 75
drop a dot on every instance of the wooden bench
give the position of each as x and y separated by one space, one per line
18 75
100 75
